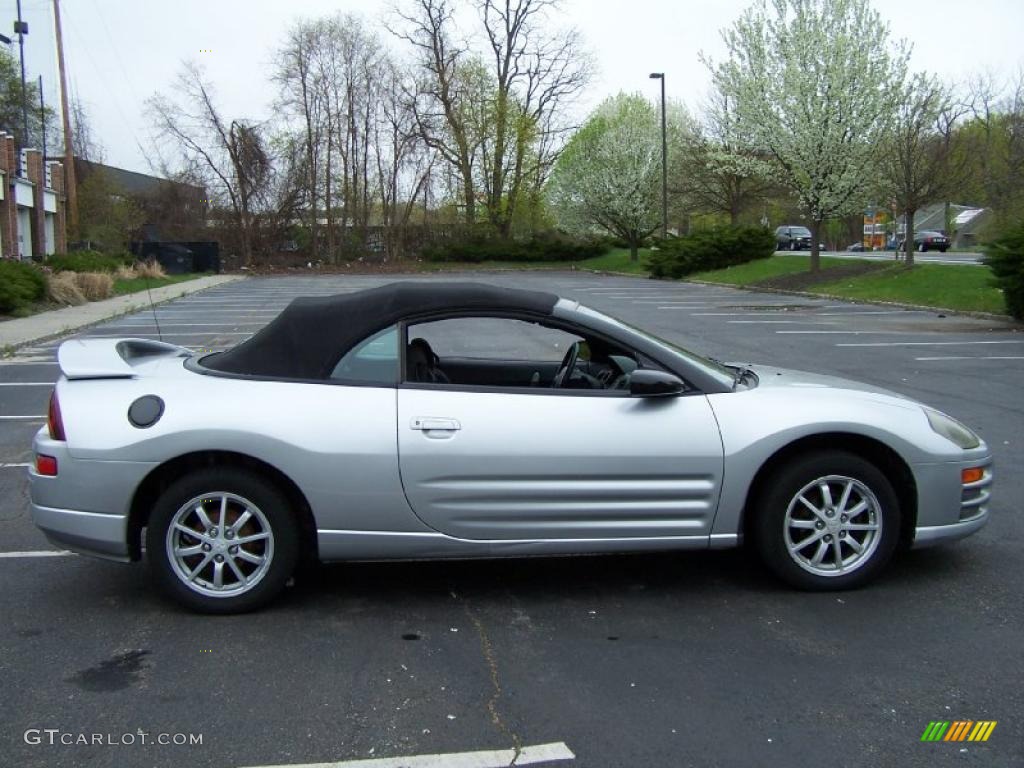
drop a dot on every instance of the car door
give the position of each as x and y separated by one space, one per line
540 463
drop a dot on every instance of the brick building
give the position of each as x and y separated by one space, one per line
32 203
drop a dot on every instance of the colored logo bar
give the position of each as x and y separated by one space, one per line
958 730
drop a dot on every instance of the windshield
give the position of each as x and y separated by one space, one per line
801 231
723 373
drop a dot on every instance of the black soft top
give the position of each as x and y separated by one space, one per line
313 332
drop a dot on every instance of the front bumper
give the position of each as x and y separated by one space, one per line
947 508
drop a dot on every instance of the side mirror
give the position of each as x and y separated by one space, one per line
649 383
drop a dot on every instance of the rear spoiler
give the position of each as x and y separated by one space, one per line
111 358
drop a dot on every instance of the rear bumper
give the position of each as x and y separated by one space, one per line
85 508
90 533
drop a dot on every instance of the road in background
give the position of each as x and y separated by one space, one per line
673 659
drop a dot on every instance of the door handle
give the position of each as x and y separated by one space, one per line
435 424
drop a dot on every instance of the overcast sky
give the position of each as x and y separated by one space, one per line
118 52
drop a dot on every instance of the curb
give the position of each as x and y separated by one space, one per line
919 307
46 325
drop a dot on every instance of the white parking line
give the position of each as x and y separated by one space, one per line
770 322
492 758
154 333
38 553
926 343
15 465
969 357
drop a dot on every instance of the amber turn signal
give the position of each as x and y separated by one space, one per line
972 475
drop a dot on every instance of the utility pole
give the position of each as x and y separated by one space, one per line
70 182
21 29
664 158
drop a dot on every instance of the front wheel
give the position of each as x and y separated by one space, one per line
828 521
222 540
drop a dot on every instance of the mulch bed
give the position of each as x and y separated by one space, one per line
802 281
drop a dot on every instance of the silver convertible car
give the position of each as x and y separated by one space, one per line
455 420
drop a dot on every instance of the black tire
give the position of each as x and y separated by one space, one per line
279 551
923 248
793 246
769 527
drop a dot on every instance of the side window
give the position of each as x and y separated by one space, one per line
371 361
511 353
493 338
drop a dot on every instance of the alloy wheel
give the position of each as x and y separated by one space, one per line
219 544
833 525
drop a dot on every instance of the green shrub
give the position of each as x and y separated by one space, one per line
87 261
545 246
710 249
21 284
1005 256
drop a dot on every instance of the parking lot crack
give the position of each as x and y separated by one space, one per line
492 666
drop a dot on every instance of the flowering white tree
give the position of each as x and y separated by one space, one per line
815 84
609 175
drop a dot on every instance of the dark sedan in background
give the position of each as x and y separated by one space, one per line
929 240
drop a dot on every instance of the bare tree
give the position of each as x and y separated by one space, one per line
230 155
717 172
915 164
439 103
535 74
86 145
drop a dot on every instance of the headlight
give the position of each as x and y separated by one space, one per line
952 430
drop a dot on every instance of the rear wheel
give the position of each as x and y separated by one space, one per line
792 245
222 540
828 521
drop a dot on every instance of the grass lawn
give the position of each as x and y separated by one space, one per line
948 286
616 260
931 285
121 287
754 272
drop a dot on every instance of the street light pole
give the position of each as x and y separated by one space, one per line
664 158
21 28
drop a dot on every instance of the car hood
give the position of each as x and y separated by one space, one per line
769 376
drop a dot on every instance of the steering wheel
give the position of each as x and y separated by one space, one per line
567 365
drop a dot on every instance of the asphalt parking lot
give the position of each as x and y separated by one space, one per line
693 659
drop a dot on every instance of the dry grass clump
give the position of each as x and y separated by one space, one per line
62 288
95 285
150 269
125 273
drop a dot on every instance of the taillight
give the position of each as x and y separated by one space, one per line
54 420
46 465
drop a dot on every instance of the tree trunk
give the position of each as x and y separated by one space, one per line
634 246
908 238
815 253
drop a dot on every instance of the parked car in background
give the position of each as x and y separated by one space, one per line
856 248
792 238
929 240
